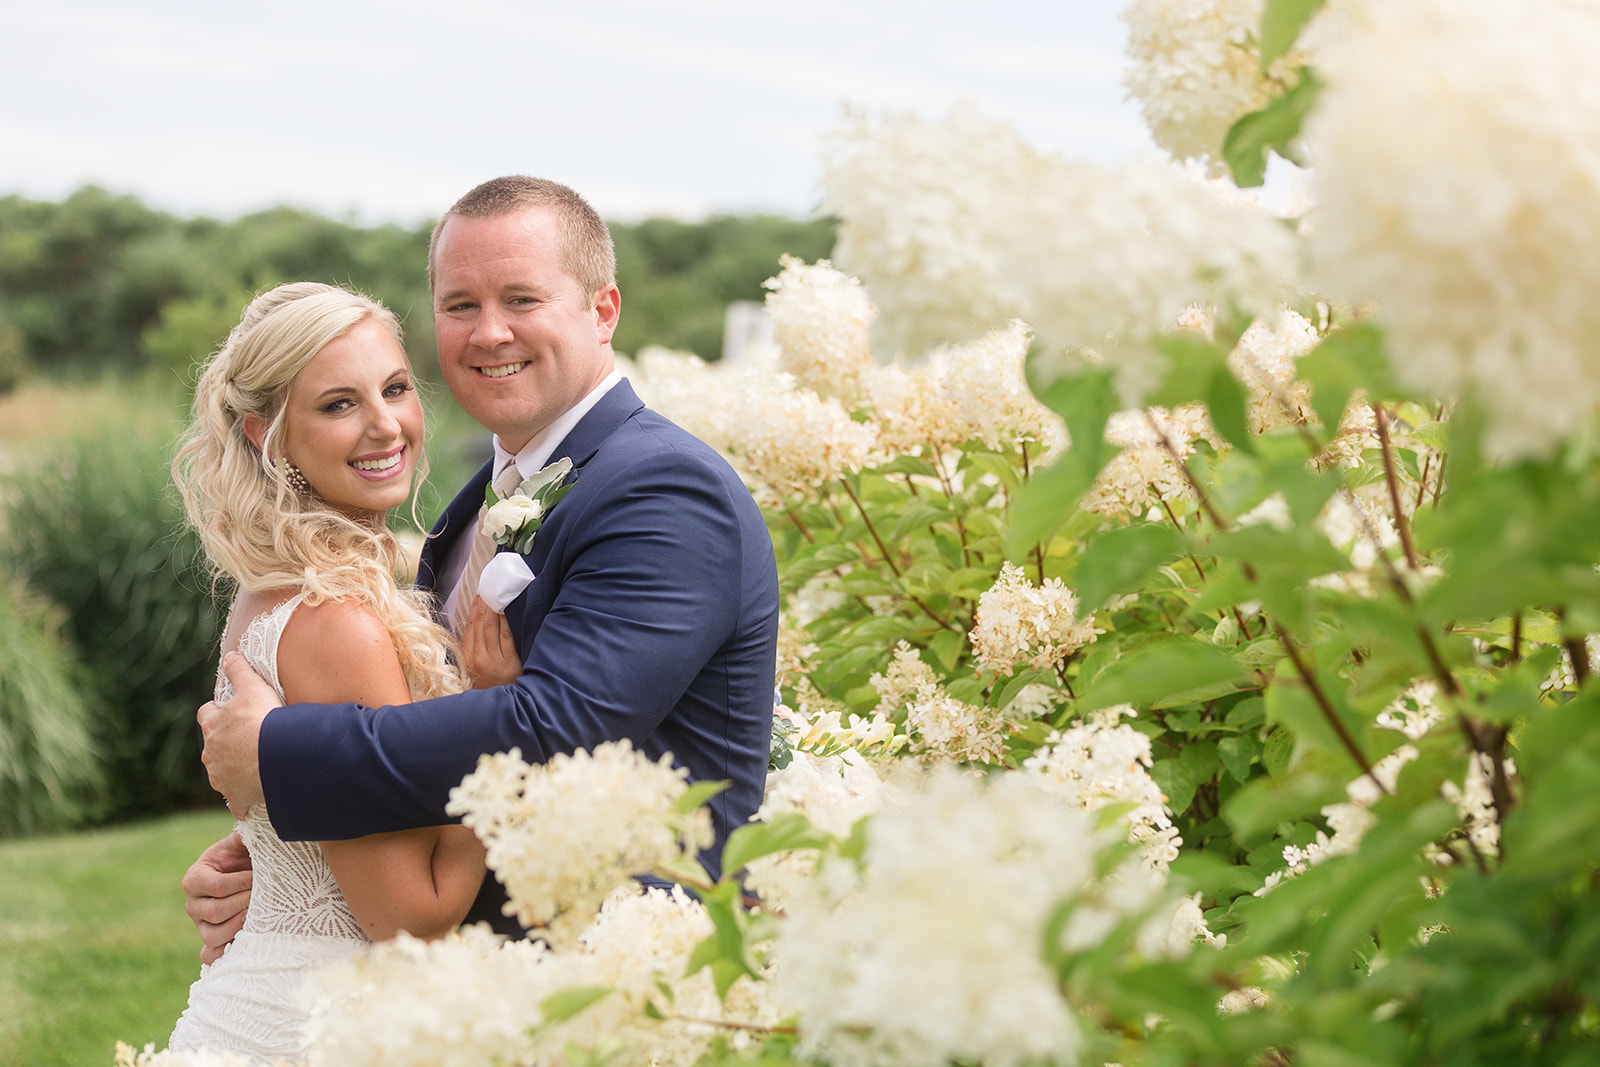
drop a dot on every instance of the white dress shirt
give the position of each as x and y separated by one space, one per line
529 460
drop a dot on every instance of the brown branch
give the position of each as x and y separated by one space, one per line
1386 447
871 529
1183 468
801 526
1326 707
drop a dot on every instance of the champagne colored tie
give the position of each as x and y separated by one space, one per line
483 548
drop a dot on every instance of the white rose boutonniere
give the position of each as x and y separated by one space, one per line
512 520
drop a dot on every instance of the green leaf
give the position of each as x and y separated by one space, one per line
1272 129
1176 781
1236 754
1344 362
1261 804
1161 669
1277 750
904 464
1281 23
1120 560
1228 404
696 796
1084 401
785 831
566 1003
1192 363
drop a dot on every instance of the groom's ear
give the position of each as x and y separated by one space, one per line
255 428
608 309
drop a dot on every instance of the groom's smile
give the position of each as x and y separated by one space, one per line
505 370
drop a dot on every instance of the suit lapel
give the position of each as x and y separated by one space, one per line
619 405
615 408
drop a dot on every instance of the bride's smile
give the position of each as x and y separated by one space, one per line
353 423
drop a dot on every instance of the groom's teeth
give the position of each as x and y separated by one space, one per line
502 372
376 464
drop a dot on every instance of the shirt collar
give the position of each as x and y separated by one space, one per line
537 452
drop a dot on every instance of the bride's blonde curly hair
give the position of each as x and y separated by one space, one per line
255 526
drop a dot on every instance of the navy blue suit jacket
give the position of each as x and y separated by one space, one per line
653 616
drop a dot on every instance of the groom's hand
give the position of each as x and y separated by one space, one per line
232 733
216 892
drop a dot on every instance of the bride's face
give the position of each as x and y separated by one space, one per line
353 423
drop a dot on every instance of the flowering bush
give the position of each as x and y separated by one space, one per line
1219 694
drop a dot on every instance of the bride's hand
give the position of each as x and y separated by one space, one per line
488 654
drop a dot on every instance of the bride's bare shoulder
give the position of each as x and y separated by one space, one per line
338 651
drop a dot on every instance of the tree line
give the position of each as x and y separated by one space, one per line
101 281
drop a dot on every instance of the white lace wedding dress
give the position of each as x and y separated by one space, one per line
249 1000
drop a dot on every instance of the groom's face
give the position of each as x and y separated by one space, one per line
520 341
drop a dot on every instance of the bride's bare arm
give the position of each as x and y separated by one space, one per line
421 881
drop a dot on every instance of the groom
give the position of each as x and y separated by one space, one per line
653 613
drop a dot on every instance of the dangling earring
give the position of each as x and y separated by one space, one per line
292 475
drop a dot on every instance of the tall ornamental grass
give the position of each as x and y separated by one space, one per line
93 525
51 769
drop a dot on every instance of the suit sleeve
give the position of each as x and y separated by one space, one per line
648 564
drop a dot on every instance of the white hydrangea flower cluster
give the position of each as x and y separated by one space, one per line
639 944
914 199
822 323
1457 188
1105 761
958 227
128 1056
931 952
1264 361
899 684
833 793
819 596
974 391
1019 622
1195 68
947 730
563 835
459 1001
1142 481
797 440
912 411
704 398
988 387
470 998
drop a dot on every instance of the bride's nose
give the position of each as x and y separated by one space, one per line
383 426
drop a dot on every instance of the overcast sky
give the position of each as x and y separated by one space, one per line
381 110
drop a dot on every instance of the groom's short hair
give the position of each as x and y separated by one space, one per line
586 249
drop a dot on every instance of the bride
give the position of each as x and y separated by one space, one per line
307 429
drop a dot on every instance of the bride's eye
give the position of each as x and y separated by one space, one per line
397 390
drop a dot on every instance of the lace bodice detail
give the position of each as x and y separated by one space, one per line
294 891
250 1000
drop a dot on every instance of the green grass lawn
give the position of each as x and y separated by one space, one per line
94 943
